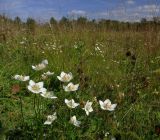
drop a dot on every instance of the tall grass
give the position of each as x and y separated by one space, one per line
124 69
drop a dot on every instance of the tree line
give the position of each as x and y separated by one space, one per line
107 24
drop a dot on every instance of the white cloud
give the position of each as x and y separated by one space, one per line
134 13
10 5
77 13
105 14
130 2
148 8
130 11
115 13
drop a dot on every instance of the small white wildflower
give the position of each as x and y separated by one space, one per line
45 62
97 49
64 77
155 92
48 73
74 121
36 87
115 61
50 119
71 87
106 105
113 138
21 77
24 38
40 66
106 134
22 42
44 77
88 107
48 94
71 103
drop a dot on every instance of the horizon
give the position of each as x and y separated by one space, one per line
43 10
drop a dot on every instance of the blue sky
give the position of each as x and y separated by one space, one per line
42 10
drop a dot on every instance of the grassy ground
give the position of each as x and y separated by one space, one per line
122 66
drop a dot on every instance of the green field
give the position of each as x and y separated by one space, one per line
119 63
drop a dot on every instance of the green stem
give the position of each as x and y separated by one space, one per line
22 109
34 104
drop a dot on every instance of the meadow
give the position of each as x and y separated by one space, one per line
119 63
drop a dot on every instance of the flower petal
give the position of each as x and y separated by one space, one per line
40 84
59 78
113 106
66 101
43 90
107 101
31 83
62 74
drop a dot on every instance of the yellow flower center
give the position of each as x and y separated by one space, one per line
35 88
71 87
65 78
21 77
108 106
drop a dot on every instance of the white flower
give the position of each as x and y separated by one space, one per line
88 107
71 87
40 66
48 73
97 48
71 103
44 77
50 119
64 77
106 134
45 62
22 42
106 105
49 94
113 138
74 121
36 87
21 77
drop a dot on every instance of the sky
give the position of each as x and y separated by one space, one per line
42 10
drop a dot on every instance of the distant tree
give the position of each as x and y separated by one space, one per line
93 21
156 19
82 20
31 24
17 20
53 21
64 20
143 20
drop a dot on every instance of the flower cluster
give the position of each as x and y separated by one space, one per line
41 65
64 77
21 77
38 88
